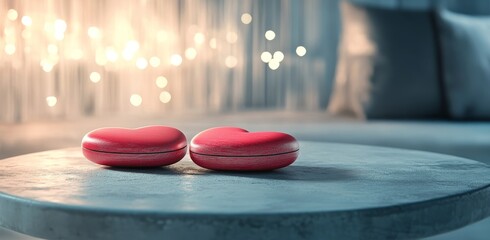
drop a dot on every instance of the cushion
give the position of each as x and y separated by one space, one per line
465 52
387 64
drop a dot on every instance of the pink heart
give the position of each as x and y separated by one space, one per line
142 147
231 148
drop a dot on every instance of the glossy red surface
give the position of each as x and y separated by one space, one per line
142 147
231 148
151 139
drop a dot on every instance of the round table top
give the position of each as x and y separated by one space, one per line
332 190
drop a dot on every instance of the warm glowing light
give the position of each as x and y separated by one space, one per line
155 62
165 97
199 38
47 67
270 35
176 60
9 49
246 18
75 54
127 54
12 14
190 53
212 43
132 45
231 37
273 64
111 54
26 21
278 56
161 82
59 36
100 57
162 36
60 25
26 34
265 57
95 77
301 51
231 61
52 49
141 63
9 31
94 32
136 100
51 101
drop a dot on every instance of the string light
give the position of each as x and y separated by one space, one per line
278 56
301 51
231 61
231 37
155 62
59 29
212 43
161 82
266 57
270 35
111 54
51 101
199 38
12 14
26 21
162 36
176 60
165 97
246 18
273 64
95 77
9 49
93 32
190 53
141 63
136 100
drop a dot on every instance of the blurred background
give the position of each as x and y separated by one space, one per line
66 59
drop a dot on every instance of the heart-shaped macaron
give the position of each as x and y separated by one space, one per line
141 147
236 149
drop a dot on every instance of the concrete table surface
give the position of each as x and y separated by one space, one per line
332 191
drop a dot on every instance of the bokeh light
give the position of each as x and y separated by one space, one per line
136 100
231 37
270 35
26 21
161 82
12 14
301 51
278 56
266 57
95 77
231 61
246 18
176 60
51 101
190 53
165 97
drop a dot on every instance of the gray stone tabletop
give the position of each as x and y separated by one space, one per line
333 191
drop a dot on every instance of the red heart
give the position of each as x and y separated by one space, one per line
142 147
231 148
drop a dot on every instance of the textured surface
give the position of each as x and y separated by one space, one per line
332 190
